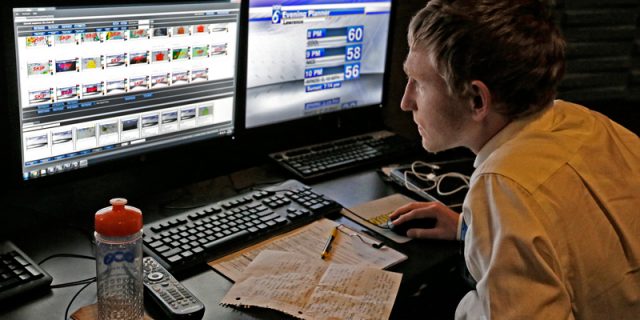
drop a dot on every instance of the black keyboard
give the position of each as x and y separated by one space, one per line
324 159
18 273
198 236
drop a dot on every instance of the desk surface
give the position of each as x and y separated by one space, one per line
426 258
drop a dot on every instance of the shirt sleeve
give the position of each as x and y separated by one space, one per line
509 254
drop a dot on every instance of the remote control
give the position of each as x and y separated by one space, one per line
173 298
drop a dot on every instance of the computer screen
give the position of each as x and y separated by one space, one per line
312 57
97 83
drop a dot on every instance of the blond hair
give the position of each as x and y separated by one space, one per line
512 46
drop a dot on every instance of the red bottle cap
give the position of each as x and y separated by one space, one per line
118 220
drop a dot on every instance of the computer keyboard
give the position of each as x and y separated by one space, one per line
198 236
18 273
324 159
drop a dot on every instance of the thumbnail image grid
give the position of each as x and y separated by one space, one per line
117 86
93 62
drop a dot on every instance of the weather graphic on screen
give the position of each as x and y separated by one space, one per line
312 57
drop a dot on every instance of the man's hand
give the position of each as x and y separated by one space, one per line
446 226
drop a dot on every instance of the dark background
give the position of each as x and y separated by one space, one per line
603 74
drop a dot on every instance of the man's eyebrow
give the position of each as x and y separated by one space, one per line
404 67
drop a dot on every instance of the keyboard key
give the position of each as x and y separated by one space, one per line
222 241
270 217
171 252
21 260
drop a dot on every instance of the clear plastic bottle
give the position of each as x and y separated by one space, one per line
119 262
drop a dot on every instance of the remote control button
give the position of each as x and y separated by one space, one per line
155 276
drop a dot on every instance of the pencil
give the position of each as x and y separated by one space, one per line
327 245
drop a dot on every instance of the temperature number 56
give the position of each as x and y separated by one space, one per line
351 71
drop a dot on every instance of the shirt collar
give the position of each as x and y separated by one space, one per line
507 133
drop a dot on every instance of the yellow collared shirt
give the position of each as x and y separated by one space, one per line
553 215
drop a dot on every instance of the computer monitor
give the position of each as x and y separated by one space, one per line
97 82
314 57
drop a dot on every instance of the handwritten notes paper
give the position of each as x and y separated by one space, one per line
308 288
309 241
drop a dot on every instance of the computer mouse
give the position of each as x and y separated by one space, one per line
401 229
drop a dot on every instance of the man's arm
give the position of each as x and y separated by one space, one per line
509 254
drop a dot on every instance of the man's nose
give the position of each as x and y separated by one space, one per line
408 102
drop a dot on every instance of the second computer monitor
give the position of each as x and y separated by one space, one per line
307 58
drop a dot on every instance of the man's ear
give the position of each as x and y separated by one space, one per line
481 102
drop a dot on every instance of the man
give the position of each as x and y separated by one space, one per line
551 221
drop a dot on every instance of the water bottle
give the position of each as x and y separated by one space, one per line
119 262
